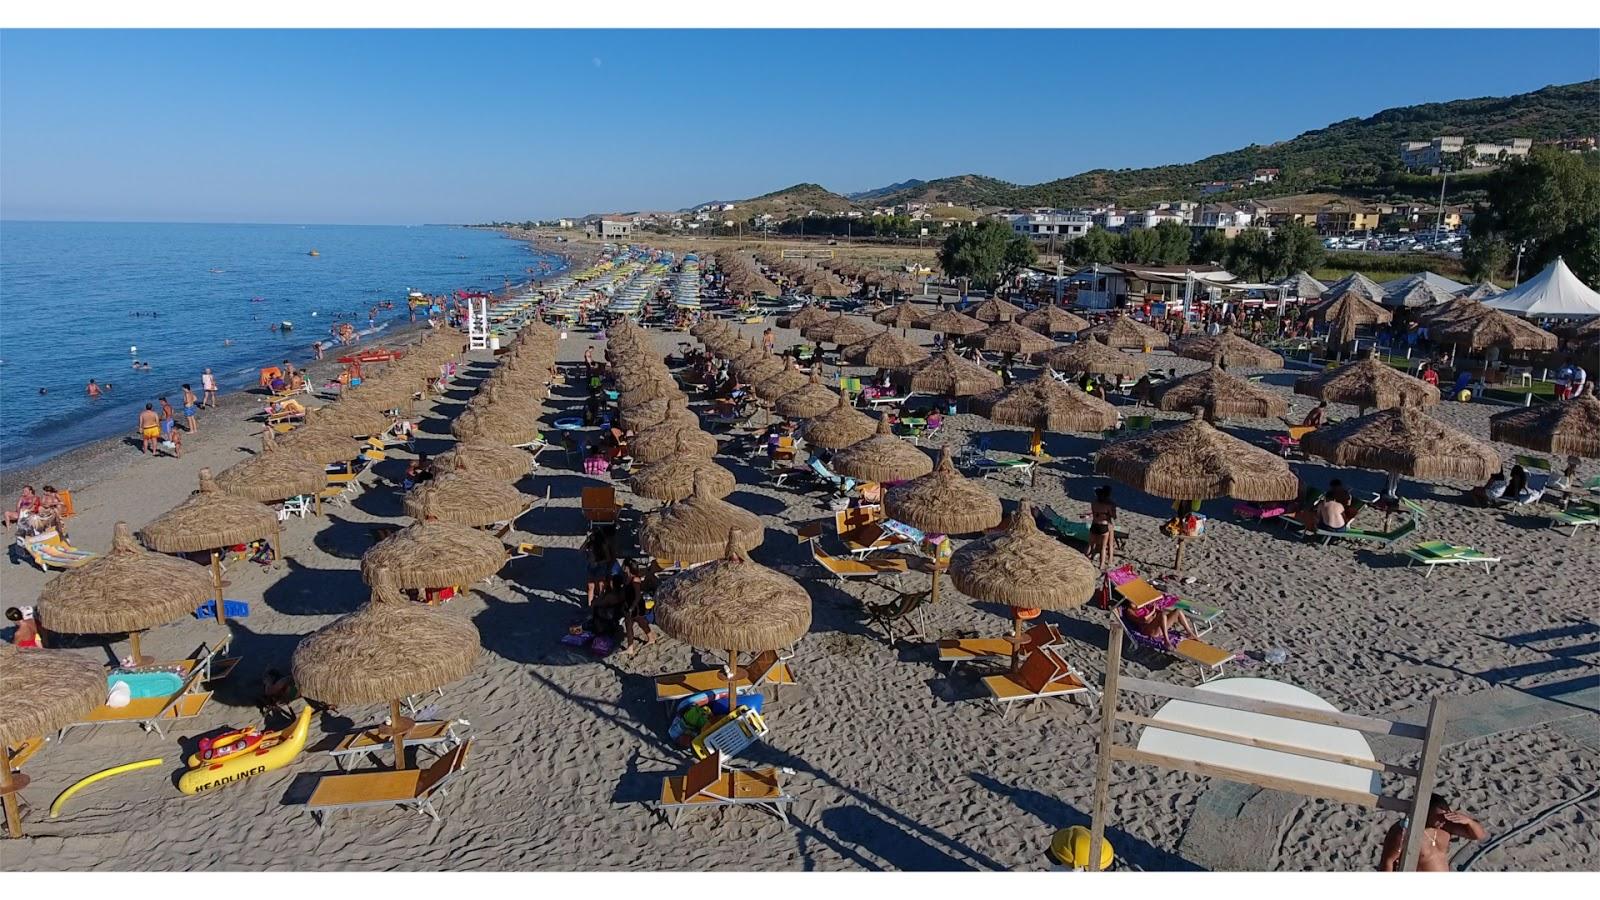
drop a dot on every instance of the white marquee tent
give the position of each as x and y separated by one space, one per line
1553 292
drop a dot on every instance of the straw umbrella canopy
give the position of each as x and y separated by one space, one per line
349 417
884 351
785 382
838 427
752 352
677 477
706 327
1045 404
387 650
1368 383
1024 569
951 322
312 441
433 554
1053 320
943 501
1344 311
490 458
124 592
1483 290
465 497
805 318
734 604
813 399
902 315
657 388
44 690
489 425
1403 441
670 437
841 330
209 519
882 457
996 310
696 530
827 287
1123 333
273 474
536 330
1494 329
1094 358
897 283
1219 395
1230 350
949 375
655 412
1457 310
724 343
1565 427
765 368
1010 337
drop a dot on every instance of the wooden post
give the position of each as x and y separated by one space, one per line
216 581
1426 770
733 680
9 787
396 726
139 659
1108 722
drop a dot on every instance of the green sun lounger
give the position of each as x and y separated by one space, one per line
1576 517
1432 554
1072 531
1381 538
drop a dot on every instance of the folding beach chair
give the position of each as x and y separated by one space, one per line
709 784
1043 673
1432 554
861 529
840 484
413 789
49 550
1289 442
600 506
732 734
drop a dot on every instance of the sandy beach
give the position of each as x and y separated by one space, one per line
897 764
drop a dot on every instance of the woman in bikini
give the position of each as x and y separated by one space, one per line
1102 527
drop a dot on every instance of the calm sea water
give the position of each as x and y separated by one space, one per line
75 297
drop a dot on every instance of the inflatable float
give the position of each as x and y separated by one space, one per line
61 799
260 752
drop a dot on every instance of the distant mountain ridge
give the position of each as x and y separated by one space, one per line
885 191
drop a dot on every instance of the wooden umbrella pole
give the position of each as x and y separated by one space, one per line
139 658
395 725
733 680
1016 638
9 788
216 580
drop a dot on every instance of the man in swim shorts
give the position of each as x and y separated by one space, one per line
189 408
149 428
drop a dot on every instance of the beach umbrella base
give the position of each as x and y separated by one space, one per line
397 729
11 783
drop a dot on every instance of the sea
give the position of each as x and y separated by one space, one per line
81 300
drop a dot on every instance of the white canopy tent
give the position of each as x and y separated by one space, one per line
1555 292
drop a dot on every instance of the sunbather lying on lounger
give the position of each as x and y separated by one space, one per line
1157 621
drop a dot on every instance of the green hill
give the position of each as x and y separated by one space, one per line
792 201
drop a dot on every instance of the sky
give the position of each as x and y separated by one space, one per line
409 127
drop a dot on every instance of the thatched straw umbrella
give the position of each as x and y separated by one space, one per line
706 327
1024 569
659 388
838 427
942 502
273 474
1494 329
352 417
1345 311
44 690
805 318
486 457
902 315
841 330
1123 333
1094 358
697 529
763 369
656 412
1053 320
1565 427
210 519
1483 290
1230 350
996 310
126 591
785 382
1459 309
813 399
1219 395
466 497
387 650
1045 404
724 344
426 555
827 287
1010 337
882 457
676 477
671 437
951 322
751 354
1403 441
488 425
734 604
1367 383
1194 461
320 445
883 351
949 375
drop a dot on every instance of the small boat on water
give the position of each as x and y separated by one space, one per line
286 325
313 253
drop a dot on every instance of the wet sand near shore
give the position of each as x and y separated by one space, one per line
897 764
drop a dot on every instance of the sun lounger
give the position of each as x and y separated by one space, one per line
414 789
861 529
1381 538
1208 658
1133 589
49 550
1289 441
21 753
959 650
709 784
436 736
1042 674
766 668
1576 517
844 568
1441 553
1070 530
152 713
212 664
840 484
600 506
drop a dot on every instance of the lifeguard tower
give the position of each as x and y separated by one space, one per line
477 323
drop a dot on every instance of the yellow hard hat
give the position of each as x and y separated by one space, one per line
1070 847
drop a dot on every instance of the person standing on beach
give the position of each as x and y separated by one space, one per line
316 347
93 390
208 386
1443 824
149 428
189 408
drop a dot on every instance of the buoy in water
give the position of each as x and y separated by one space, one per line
133 349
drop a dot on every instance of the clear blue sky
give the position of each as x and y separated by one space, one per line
459 126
